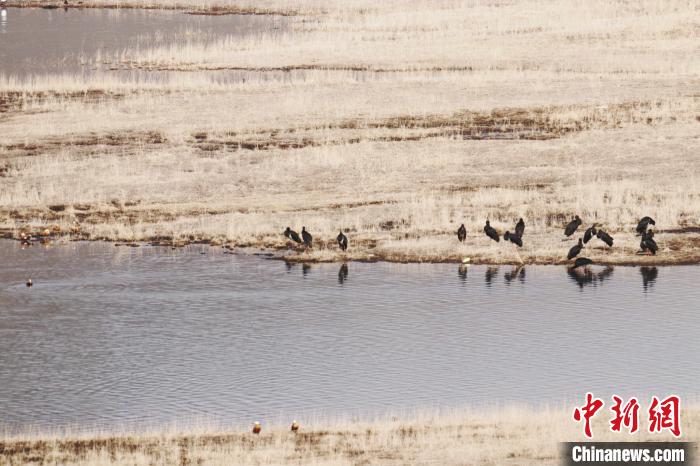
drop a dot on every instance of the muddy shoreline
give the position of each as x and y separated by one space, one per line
363 254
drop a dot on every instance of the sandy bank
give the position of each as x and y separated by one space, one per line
508 435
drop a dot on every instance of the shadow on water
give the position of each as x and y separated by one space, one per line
343 273
490 273
649 275
517 272
462 273
584 276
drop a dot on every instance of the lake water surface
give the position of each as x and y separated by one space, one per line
112 335
36 41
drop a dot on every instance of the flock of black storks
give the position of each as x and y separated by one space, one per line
647 243
307 240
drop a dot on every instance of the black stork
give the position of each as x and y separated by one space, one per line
648 243
306 236
572 226
590 233
582 262
604 237
293 235
644 223
342 241
576 250
513 238
462 233
491 232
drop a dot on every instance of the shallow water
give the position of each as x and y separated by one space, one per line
112 335
35 40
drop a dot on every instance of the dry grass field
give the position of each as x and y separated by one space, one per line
500 436
394 121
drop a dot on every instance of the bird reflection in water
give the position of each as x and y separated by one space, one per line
605 274
584 276
649 275
3 21
490 273
462 272
305 269
517 272
343 273
289 265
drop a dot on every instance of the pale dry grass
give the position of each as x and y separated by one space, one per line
394 124
494 436
595 37
394 202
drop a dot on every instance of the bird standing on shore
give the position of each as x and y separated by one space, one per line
294 427
257 428
573 225
342 241
306 236
513 238
293 235
491 232
604 237
462 233
644 223
520 228
582 262
648 243
576 250
590 233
